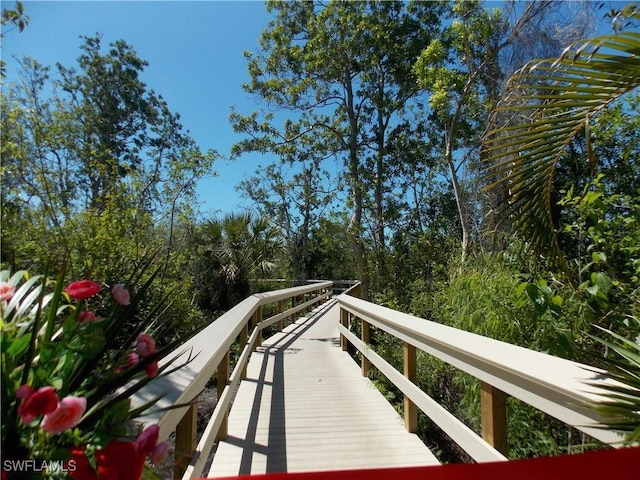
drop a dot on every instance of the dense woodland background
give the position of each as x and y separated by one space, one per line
383 119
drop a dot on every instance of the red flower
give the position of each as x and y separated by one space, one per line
118 461
42 401
146 442
152 369
82 289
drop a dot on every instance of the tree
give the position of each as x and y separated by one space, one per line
463 72
126 131
18 19
294 201
457 69
94 163
340 68
549 103
232 251
329 246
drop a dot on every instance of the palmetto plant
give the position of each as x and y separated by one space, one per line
546 105
243 244
623 403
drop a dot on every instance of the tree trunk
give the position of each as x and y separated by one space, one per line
355 226
379 200
462 208
304 255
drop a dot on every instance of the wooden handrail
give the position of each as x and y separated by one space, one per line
208 353
556 386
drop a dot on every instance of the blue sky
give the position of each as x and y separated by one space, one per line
195 54
194 50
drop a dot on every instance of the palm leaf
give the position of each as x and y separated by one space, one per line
547 104
621 407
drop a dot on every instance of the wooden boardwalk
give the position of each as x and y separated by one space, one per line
305 406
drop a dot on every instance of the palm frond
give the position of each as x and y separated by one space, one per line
546 105
621 408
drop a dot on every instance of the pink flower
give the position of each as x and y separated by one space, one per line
67 415
146 442
145 345
87 316
132 359
120 294
34 403
82 289
6 291
152 369
159 454
24 391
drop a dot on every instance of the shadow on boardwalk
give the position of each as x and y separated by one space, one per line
305 406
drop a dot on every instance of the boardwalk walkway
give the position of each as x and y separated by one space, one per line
334 418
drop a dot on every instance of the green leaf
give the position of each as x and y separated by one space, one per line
602 280
557 300
17 346
593 289
521 288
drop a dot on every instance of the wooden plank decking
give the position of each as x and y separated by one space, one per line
306 407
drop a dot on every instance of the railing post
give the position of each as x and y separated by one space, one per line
222 375
410 409
244 336
186 440
494 417
344 321
365 337
280 310
258 319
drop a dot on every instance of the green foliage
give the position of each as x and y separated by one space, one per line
330 248
16 16
622 407
604 227
231 252
98 174
489 298
601 235
86 347
550 103
18 19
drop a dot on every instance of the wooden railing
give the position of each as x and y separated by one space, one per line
558 387
350 287
208 353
